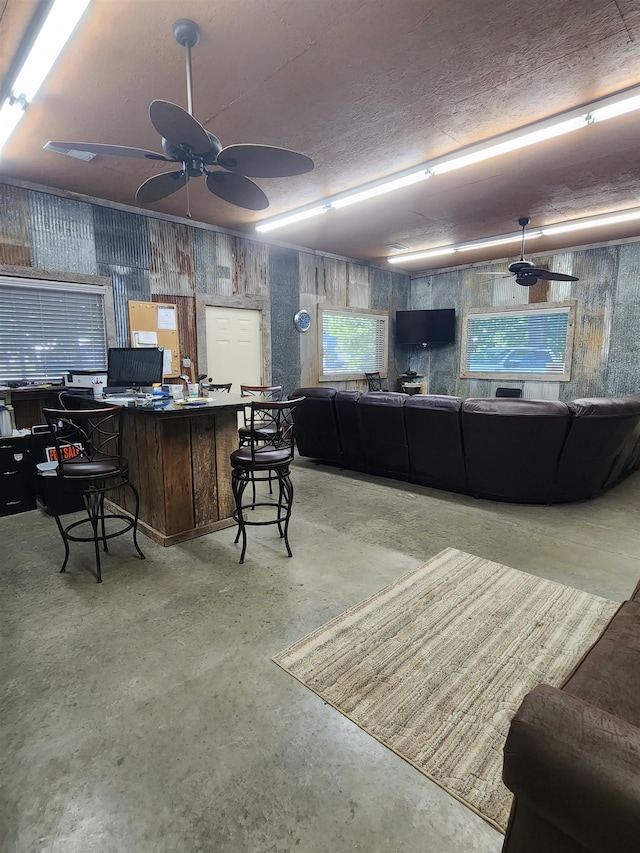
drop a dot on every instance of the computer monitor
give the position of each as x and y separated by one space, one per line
136 368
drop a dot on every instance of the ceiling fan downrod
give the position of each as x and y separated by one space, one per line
187 34
523 222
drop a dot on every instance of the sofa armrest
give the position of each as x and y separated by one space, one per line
578 767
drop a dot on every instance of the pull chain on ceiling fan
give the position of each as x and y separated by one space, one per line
526 273
185 141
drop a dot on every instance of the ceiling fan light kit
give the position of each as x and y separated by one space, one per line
186 142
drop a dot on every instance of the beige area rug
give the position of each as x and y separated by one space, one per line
435 665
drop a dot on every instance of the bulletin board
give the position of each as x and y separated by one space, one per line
156 324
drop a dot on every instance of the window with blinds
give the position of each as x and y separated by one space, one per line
50 328
527 342
353 343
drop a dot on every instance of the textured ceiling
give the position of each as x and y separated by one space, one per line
364 87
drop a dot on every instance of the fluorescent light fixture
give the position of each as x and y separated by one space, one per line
616 108
58 26
418 256
10 115
596 222
293 217
47 47
497 241
550 230
380 189
600 110
485 152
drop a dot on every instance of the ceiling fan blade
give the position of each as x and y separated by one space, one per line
552 276
264 161
111 150
495 274
179 127
237 189
160 186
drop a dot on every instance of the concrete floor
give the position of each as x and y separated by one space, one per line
145 715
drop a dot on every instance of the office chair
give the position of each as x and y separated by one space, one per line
374 381
273 459
90 463
508 392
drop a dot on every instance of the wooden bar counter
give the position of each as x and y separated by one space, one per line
179 462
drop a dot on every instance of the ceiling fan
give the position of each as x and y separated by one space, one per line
527 273
185 141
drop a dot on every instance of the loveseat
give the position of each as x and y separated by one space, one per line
501 448
572 756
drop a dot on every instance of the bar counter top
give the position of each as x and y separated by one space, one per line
193 406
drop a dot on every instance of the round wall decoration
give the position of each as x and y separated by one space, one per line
302 320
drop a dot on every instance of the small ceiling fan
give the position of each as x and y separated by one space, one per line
527 273
185 141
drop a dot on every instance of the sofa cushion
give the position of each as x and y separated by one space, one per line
600 432
316 426
349 426
384 438
512 447
609 673
434 436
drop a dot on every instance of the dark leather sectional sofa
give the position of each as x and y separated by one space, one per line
572 757
529 451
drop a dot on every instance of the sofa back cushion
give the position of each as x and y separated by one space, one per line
384 439
346 403
512 447
601 430
316 424
434 435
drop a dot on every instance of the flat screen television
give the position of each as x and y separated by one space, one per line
134 367
427 327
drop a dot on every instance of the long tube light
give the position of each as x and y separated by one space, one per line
56 29
545 231
596 111
345 199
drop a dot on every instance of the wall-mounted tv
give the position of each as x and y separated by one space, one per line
427 327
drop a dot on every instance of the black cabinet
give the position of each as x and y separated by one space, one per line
17 475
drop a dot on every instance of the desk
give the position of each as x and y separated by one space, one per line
179 462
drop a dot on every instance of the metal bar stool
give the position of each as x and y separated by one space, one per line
273 459
90 463
262 428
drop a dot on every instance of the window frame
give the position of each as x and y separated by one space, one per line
383 316
534 307
34 278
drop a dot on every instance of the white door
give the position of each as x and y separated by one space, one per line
234 346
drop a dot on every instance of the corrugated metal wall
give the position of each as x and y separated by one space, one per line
606 348
149 258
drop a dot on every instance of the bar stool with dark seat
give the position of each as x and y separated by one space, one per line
90 463
270 459
259 393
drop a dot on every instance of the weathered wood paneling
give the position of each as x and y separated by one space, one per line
172 269
15 247
186 322
251 268
332 278
358 286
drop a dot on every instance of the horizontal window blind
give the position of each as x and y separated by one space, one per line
531 342
353 344
50 328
